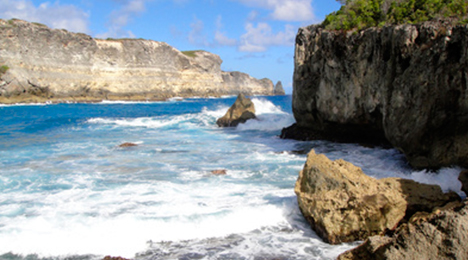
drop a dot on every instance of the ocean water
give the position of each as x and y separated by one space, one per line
68 191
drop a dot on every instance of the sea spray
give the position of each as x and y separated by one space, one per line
68 189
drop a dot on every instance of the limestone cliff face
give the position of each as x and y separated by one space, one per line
406 84
49 64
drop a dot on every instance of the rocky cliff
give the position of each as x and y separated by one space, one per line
405 84
56 65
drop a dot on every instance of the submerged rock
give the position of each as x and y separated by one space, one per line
241 111
128 145
219 172
441 235
403 83
342 204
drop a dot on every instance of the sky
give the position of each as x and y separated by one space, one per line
252 36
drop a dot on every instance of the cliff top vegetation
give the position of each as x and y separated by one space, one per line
361 14
191 54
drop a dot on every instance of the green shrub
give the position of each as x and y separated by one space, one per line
3 69
39 24
360 14
191 54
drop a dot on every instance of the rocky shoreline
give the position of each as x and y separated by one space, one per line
51 65
401 86
405 84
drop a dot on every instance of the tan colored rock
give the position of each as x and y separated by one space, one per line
56 65
441 235
242 110
342 204
219 172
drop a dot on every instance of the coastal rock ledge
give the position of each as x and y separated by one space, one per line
342 204
441 235
56 65
406 84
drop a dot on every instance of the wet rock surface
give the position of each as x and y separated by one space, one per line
242 110
342 204
440 235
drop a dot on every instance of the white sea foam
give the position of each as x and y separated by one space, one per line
105 102
76 192
269 117
120 221
148 122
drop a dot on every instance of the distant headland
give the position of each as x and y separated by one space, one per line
40 64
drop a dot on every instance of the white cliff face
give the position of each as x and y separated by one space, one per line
56 65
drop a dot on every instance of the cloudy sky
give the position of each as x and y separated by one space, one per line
252 36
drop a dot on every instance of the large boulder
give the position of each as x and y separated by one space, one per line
405 83
241 111
441 235
342 204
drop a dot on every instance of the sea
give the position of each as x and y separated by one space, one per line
68 191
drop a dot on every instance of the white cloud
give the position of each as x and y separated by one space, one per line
285 10
258 39
223 40
56 15
118 19
196 35
220 36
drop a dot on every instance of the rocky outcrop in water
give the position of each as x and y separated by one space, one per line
440 235
279 90
56 65
342 204
406 84
242 110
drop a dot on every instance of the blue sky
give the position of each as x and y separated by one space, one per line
252 36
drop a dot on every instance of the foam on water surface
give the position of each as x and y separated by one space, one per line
68 189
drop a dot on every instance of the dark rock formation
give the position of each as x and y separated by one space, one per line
441 235
342 204
114 258
406 84
241 111
279 90
463 178
56 65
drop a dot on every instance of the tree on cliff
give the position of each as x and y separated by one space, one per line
361 14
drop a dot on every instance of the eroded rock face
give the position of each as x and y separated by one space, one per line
242 110
407 84
442 235
342 204
463 178
56 65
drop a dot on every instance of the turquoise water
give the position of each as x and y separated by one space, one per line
68 191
